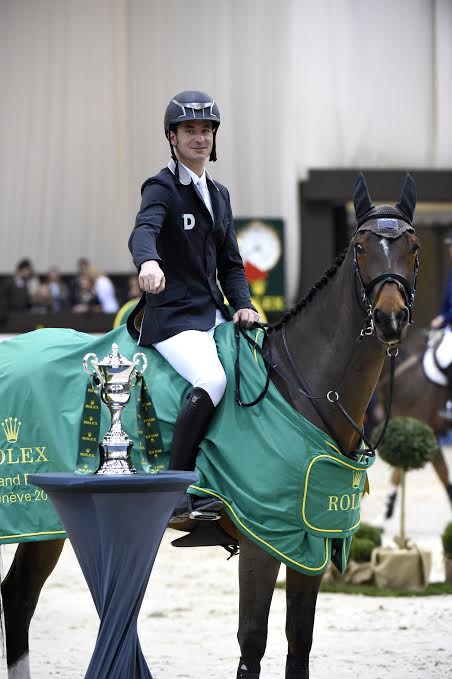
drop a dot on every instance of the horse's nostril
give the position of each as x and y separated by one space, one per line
396 318
402 315
378 316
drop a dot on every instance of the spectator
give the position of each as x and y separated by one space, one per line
57 290
19 291
85 297
76 293
104 291
42 302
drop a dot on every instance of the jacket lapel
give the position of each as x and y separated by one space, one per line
217 201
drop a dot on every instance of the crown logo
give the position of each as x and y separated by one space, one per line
11 428
356 479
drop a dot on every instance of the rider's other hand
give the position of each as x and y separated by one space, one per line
151 278
437 322
246 317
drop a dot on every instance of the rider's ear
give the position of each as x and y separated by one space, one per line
407 200
361 198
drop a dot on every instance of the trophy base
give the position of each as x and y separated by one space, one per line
115 459
116 467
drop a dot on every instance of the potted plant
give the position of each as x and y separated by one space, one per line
359 570
446 538
407 444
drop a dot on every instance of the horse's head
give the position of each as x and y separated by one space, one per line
386 261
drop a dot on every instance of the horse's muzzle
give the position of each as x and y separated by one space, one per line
391 327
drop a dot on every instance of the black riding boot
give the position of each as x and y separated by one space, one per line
191 426
244 673
296 669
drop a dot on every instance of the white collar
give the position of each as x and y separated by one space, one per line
186 175
196 179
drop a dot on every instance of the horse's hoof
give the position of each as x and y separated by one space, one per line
244 673
296 669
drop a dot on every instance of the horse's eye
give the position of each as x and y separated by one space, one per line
415 247
359 248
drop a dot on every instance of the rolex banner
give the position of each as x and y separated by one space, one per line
283 481
52 420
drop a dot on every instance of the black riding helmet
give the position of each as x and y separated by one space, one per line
191 105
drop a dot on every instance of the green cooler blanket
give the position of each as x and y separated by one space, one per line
283 481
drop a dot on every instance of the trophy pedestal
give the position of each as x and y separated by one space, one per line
115 525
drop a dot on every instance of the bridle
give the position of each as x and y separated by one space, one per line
406 288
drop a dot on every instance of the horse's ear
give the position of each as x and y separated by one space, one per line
361 198
407 200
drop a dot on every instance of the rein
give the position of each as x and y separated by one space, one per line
407 289
302 388
334 398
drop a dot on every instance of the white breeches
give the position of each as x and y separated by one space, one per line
193 354
444 351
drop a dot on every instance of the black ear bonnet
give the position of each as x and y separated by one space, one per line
385 220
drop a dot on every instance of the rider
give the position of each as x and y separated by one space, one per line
183 243
444 319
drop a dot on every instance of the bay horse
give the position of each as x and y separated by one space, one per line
418 396
337 338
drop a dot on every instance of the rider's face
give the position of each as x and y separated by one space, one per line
193 141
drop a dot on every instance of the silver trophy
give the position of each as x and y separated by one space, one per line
115 376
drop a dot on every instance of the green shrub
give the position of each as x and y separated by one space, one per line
446 537
408 443
369 533
361 549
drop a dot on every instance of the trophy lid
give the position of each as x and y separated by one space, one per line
115 359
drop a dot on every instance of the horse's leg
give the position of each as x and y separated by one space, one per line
301 595
257 578
32 565
440 466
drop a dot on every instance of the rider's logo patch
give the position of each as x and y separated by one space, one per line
189 221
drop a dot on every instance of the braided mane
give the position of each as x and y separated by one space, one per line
327 276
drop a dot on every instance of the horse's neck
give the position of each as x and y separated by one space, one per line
322 338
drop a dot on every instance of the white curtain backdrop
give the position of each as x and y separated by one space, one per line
300 84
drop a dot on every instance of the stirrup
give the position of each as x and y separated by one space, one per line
197 508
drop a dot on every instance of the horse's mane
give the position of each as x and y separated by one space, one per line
327 276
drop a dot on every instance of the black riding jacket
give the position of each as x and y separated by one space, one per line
175 227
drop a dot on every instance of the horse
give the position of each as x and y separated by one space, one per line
331 345
418 396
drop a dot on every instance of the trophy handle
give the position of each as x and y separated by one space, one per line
90 364
136 361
